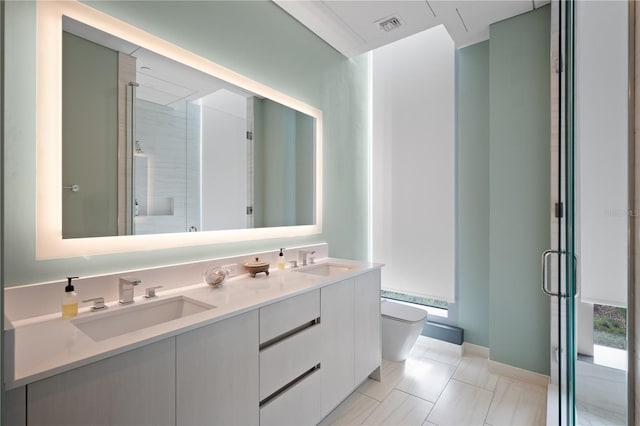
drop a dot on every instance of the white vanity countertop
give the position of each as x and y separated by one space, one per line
49 345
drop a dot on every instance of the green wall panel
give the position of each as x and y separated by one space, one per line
519 189
90 135
472 101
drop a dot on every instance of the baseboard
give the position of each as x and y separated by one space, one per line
552 405
471 349
518 373
445 332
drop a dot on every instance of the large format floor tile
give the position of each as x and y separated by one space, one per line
461 404
474 370
425 378
437 386
390 374
400 408
353 410
439 351
517 403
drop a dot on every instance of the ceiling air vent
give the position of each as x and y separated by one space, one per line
390 24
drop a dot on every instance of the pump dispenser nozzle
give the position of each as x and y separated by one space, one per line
69 300
69 286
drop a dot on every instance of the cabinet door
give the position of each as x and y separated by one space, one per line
133 388
15 407
217 373
368 349
337 320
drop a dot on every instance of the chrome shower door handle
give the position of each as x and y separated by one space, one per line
574 265
545 255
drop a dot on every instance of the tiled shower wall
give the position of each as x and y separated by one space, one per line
169 195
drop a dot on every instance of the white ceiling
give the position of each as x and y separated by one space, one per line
353 27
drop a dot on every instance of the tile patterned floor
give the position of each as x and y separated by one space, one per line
438 387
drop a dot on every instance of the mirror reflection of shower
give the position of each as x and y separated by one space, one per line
190 143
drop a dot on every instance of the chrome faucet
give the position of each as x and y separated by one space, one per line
98 303
126 285
306 257
303 255
150 292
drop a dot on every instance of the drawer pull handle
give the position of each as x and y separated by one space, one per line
289 385
289 333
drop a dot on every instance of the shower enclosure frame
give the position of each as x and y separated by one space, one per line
560 260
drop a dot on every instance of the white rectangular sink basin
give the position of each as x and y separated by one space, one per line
325 269
138 316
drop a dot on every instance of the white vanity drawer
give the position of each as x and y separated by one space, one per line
288 359
299 405
281 317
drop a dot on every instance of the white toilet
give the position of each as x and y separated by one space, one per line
401 326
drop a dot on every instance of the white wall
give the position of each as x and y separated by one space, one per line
414 164
601 150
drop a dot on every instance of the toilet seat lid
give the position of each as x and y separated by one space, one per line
392 309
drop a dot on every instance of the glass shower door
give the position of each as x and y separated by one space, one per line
586 268
558 263
566 236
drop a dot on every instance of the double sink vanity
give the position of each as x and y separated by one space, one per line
285 348
282 348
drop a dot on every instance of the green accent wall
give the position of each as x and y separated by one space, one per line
472 257
254 38
90 135
284 165
519 189
278 157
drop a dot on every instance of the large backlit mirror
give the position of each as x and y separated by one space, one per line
195 153
141 142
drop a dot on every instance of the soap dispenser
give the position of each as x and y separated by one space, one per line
281 262
69 300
